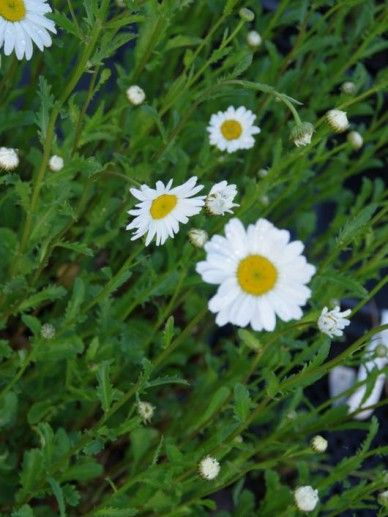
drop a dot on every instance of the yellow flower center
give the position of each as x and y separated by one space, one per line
231 129
163 205
256 275
12 10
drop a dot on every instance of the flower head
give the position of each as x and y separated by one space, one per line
198 237
56 163
260 273
306 498
301 134
209 468
146 411
254 39
47 331
23 22
162 209
136 95
333 322
348 87
319 444
220 198
355 139
9 158
233 129
337 120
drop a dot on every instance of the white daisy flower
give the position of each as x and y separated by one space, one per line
220 198
261 275
162 209
9 158
306 498
23 22
233 129
209 468
333 322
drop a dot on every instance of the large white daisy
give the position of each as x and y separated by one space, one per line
162 209
23 22
233 129
261 275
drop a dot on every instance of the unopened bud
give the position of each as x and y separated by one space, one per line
246 14
301 134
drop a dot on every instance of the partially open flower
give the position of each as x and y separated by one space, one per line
254 39
301 134
306 498
333 322
319 444
146 411
337 120
47 331
198 237
355 139
209 468
348 87
9 158
220 198
136 95
56 163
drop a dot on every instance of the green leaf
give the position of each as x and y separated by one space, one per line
48 294
46 104
8 408
272 382
115 512
355 225
23 511
105 391
83 471
57 491
78 247
77 298
249 340
32 472
242 402
168 332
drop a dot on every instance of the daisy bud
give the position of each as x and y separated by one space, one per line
355 139
135 95
306 498
381 351
254 39
47 331
146 411
120 3
209 468
337 120
9 158
263 173
198 237
264 200
348 87
56 163
220 198
301 134
333 322
319 444
246 14
383 499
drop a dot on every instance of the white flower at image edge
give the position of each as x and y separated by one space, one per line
233 129
260 273
162 209
333 322
23 22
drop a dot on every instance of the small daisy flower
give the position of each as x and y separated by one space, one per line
23 22
306 498
9 158
136 95
146 411
220 198
319 444
162 209
254 39
260 273
337 120
333 322
209 468
56 163
233 129
355 140
198 238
